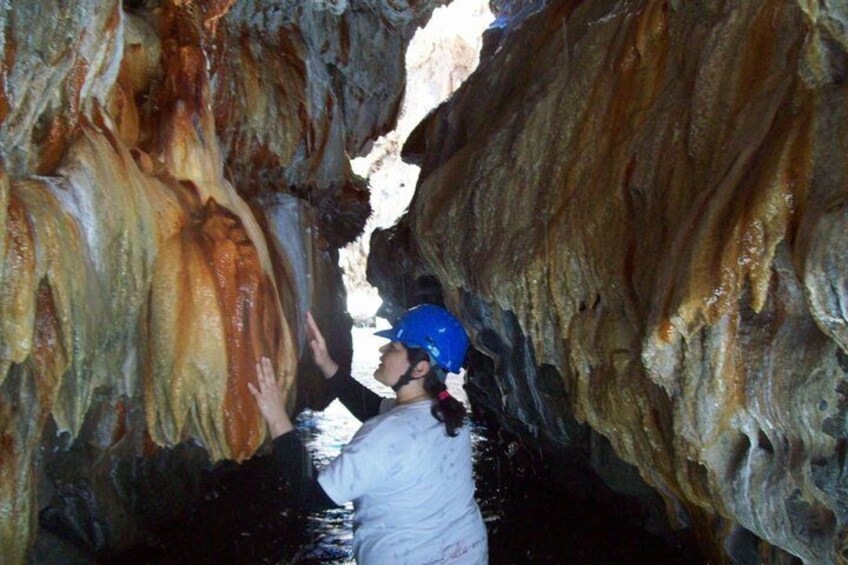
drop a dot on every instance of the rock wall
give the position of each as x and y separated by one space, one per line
174 188
655 190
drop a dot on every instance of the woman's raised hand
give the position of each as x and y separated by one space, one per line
271 399
320 355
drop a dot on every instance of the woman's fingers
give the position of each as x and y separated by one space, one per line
270 398
258 376
316 340
264 375
319 348
312 329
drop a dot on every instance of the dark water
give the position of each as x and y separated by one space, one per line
536 510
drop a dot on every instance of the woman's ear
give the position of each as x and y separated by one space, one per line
421 369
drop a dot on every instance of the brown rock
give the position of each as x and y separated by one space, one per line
134 277
652 188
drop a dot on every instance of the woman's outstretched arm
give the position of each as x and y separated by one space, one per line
295 464
362 402
290 455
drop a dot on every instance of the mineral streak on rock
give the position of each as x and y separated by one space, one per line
657 191
137 289
263 109
81 262
298 85
306 266
209 289
56 56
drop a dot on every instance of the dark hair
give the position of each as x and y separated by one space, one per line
450 411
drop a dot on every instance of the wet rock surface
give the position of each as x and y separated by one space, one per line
148 148
653 193
638 208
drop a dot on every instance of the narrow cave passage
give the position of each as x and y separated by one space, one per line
636 210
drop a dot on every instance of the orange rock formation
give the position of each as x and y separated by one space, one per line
657 190
133 271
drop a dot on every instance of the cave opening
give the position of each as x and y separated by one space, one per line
438 59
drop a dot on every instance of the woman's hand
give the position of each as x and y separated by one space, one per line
271 399
320 355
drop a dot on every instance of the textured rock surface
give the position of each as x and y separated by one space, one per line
656 192
144 265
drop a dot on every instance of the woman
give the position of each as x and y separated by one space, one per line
408 468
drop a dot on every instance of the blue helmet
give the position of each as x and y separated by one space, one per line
434 330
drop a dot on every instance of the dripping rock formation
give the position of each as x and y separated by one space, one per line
640 210
174 188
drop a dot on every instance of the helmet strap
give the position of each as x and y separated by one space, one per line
407 377
440 373
404 379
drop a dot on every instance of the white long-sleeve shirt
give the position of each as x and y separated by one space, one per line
412 490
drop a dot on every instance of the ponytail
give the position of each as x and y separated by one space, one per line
445 408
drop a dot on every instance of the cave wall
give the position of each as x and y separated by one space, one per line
656 192
174 187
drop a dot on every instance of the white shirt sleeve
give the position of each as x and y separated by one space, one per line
363 464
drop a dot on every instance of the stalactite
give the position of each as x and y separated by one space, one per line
138 143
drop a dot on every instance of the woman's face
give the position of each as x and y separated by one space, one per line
393 363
